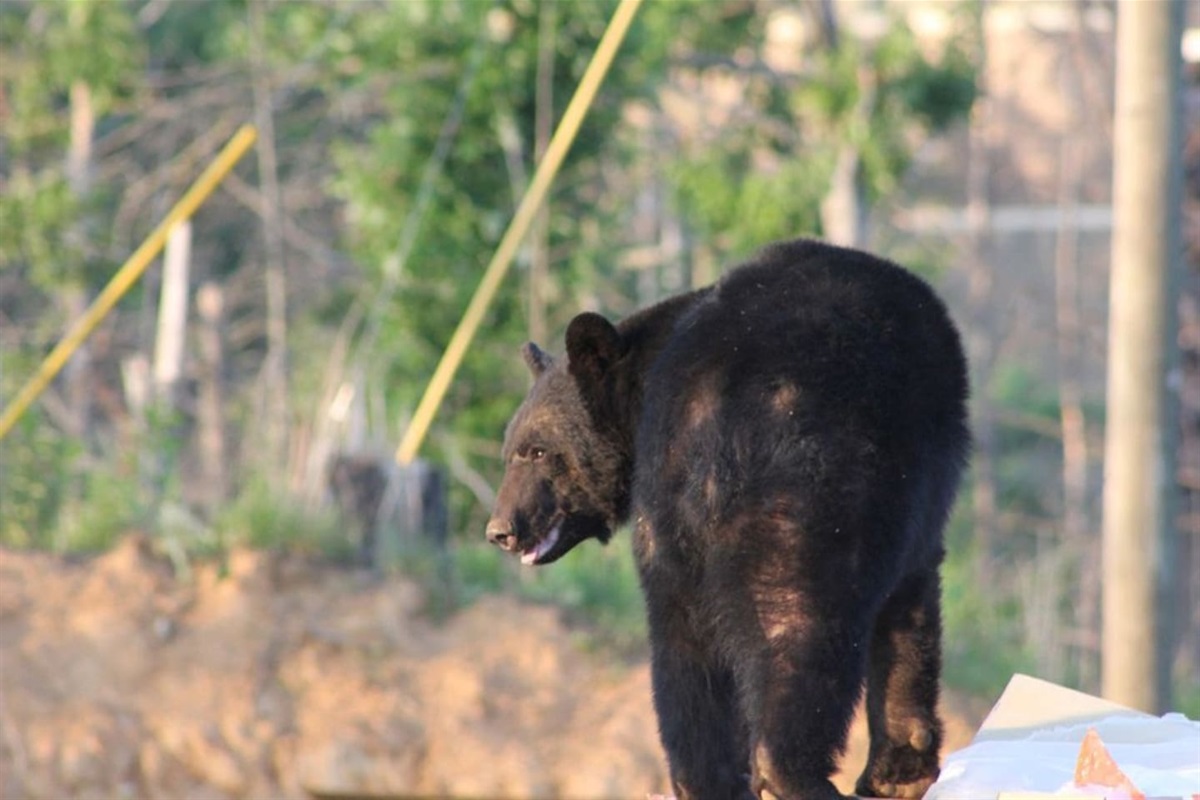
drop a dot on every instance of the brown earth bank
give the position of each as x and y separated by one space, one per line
286 678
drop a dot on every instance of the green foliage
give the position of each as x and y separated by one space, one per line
737 209
1016 387
908 97
55 495
38 211
50 45
93 41
50 48
263 517
927 258
764 175
599 587
59 497
1187 698
676 28
1028 461
366 87
478 570
188 34
489 164
50 503
983 640
35 469
939 95
374 83
108 507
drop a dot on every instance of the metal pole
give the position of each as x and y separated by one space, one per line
496 269
127 275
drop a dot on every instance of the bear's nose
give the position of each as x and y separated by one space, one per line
500 533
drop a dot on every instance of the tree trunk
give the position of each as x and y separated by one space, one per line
980 339
74 298
210 411
844 207
1075 525
539 255
275 366
1139 529
841 208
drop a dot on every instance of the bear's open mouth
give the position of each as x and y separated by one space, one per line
536 553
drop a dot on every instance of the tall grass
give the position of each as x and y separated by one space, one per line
983 640
595 586
264 518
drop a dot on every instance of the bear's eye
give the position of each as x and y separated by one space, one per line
537 453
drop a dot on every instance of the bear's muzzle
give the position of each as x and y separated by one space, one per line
500 533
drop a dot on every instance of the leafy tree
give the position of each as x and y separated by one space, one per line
57 55
765 174
489 164
366 97
48 47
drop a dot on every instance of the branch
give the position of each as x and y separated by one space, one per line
296 237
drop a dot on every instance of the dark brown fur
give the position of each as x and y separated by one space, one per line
788 444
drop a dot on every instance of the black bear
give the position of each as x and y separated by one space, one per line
788 444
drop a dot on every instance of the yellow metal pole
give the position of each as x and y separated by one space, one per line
127 275
560 143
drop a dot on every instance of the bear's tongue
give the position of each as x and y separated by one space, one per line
538 551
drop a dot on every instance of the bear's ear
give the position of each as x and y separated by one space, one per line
593 345
536 358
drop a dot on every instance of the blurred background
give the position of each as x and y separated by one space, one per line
215 578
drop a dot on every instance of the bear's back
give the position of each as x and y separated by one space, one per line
810 366
853 331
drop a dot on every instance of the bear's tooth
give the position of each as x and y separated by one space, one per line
548 543
535 553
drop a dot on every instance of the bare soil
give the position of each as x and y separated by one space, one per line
286 678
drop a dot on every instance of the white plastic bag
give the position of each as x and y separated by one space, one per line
1031 741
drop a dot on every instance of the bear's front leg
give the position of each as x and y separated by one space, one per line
695 700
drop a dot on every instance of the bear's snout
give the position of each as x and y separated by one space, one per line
500 533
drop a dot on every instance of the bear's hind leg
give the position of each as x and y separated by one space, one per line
902 692
801 706
695 700
794 625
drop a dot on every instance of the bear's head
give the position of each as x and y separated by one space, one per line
566 474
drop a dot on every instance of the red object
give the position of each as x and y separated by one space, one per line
1096 767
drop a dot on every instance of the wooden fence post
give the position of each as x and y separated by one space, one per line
1139 464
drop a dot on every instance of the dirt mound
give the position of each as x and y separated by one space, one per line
283 678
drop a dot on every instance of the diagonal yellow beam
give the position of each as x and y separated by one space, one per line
560 143
128 275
